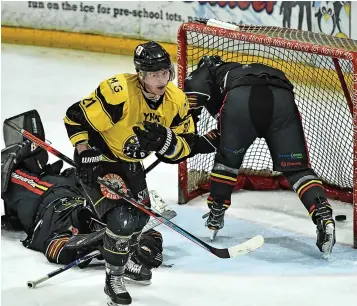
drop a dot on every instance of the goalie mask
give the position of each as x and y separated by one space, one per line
154 68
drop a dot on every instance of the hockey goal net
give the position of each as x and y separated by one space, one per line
323 70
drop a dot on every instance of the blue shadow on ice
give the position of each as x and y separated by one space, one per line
284 252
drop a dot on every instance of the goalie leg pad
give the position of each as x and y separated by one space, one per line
86 241
20 155
64 250
9 159
33 157
59 252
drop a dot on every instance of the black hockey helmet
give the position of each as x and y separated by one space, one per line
151 57
210 60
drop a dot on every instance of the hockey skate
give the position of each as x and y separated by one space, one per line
215 220
115 287
326 237
136 272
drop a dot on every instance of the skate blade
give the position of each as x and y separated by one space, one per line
129 280
213 235
111 303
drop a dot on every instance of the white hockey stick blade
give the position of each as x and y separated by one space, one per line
246 247
158 203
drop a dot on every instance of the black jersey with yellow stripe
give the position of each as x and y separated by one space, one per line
28 194
105 119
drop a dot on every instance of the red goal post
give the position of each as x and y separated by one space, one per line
323 70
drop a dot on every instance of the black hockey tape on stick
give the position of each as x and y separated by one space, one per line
238 250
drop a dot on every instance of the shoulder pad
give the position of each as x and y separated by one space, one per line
115 89
199 81
174 93
177 96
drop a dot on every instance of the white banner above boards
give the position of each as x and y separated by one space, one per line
160 21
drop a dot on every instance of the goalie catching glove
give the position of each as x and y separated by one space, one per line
156 137
149 250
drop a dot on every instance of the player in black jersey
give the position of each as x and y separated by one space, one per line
250 101
50 206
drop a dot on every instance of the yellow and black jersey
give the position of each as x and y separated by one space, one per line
106 117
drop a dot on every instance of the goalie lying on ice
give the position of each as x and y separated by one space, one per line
49 206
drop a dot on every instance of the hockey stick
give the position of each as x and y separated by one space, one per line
152 166
240 249
168 213
52 150
34 283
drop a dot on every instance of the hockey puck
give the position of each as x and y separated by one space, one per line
340 218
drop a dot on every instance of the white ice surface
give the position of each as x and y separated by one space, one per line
287 270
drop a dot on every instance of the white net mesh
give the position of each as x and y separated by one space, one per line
326 115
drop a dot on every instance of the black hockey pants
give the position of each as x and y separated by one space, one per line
251 112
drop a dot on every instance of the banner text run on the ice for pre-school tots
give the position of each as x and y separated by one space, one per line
115 12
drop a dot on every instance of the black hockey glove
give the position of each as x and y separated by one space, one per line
156 137
208 143
53 169
89 165
205 144
149 251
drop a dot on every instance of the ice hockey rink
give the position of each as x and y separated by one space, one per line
287 270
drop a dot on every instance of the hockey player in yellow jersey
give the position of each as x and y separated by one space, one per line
127 117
